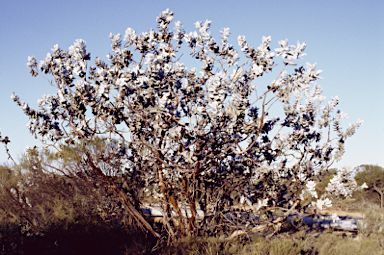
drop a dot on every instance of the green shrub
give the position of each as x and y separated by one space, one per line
373 222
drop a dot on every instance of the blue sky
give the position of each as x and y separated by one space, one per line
345 38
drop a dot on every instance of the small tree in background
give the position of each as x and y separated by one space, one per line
202 138
373 176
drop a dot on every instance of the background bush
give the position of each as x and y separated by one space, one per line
46 213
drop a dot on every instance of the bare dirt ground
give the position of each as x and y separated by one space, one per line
341 213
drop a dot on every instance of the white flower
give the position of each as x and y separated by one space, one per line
149 59
298 50
130 34
341 115
334 102
343 183
198 24
79 84
284 137
101 90
174 132
283 48
113 37
55 48
214 106
121 82
44 64
15 97
261 203
179 32
311 188
301 176
242 42
178 25
257 69
164 99
168 15
32 62
136 70
284 44
225 33
359 121
266 40
264 168
200 109
78 50
326 202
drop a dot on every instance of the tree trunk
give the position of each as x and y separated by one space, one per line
130 208
381 193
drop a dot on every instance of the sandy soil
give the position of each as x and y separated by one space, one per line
341 213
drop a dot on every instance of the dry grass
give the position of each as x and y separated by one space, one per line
327 243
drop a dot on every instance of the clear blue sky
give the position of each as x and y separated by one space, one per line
345 38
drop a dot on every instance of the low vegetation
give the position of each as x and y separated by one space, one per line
300 243
45 213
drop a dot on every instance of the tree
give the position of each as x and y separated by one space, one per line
373 177
201 138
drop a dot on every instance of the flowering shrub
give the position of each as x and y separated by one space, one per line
200 137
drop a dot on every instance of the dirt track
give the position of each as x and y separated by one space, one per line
341 213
